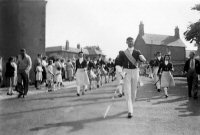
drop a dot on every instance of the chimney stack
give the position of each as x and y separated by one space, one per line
67 45
176 34
141 29
78 46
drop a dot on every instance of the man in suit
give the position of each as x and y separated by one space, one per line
157 62
192 69
128 60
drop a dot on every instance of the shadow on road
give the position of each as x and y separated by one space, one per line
77 125
187 106
190 108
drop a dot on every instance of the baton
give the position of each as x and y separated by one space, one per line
158 79
108 108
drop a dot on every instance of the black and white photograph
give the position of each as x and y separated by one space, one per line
99 67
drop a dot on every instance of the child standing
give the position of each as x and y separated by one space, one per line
10 71
58 77
50 76
39 75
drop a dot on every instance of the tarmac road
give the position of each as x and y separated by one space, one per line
63 113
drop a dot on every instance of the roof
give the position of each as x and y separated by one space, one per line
62 48
54 48
94 51
157 39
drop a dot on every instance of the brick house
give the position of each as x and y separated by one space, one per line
148 44
68 52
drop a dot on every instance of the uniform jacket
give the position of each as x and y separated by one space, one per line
124 62
164 67
110 65
100 62
91 65
158 62
81 65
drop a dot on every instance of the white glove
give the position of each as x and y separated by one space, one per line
118 69
123 74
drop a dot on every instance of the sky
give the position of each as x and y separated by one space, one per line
107 23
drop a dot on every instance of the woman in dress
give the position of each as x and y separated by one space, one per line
167 79
39 71
50 76
58 77
69 70
44 67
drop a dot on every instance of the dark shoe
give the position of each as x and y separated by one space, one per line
130 115
78 94
97 86
166 96
123 94
159 90
20 94
195 97
83 93
10 94
120 95
50 90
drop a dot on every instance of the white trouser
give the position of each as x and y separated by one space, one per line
156 77
165 90
130 87
79 88
120 82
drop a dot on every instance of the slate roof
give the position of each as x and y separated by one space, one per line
157 39
94 51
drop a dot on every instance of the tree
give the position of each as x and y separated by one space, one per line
192 33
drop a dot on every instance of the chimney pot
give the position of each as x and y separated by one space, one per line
78 46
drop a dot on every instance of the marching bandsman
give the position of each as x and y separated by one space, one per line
81 74
119 79
90 64
100 61
111 68
91 67
164 71
157 62
129 59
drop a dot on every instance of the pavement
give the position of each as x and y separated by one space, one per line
63 113
32 90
